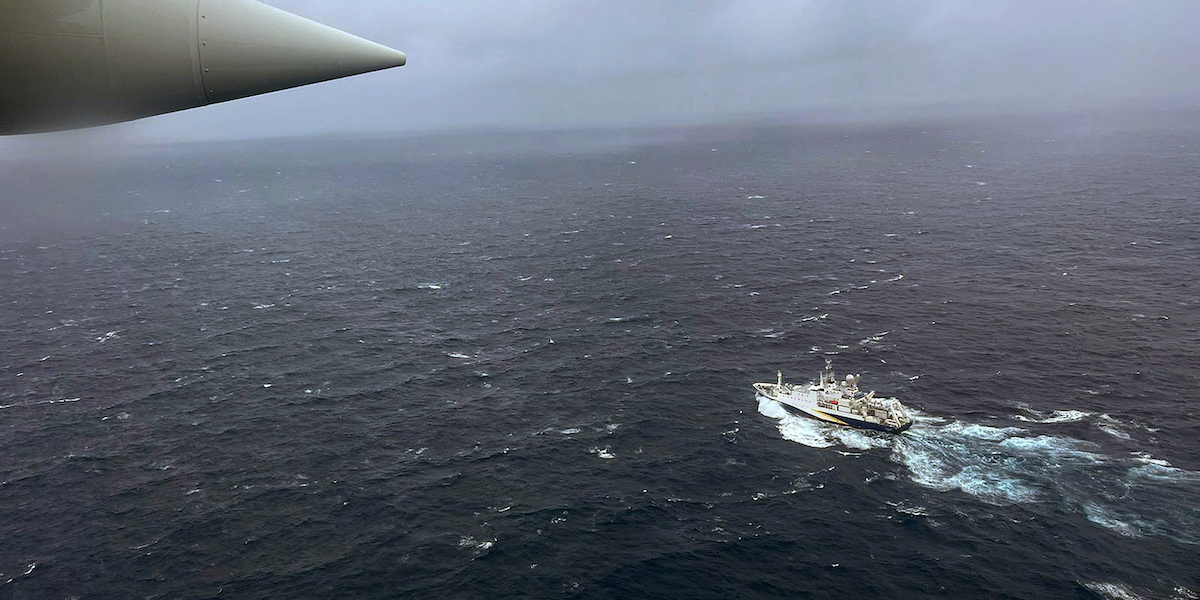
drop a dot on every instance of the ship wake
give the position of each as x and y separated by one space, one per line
1135 495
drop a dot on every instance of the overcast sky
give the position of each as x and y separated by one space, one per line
552 63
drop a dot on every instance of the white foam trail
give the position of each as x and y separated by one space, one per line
1134 496
960 456
1112 426
1059 416
1051 447
980 432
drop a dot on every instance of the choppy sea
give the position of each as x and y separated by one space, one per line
520 364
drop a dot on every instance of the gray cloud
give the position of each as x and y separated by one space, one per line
620 62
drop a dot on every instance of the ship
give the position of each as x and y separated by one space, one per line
839 402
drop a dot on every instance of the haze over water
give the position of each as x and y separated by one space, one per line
520 364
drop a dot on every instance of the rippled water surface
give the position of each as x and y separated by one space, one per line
520 365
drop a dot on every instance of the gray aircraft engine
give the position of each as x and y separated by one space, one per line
67 64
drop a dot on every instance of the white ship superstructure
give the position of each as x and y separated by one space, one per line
839 402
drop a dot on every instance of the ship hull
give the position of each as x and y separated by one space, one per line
803 407
857 424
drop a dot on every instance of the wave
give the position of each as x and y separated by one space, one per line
867 285
39 403
1058 416
1122 591
1104 422
1111 591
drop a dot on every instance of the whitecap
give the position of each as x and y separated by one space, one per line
1111 591
468 541
1145 457
41 403
916 511
981 432
1058 416
1118 428
875 339
1113 430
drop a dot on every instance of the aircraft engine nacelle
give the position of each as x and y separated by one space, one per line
66 64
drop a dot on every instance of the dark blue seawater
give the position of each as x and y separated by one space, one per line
519 365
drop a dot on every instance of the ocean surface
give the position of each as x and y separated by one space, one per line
520 364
